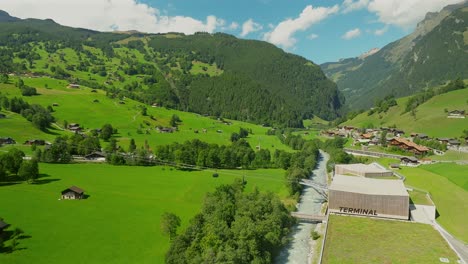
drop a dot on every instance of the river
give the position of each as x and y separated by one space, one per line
298 251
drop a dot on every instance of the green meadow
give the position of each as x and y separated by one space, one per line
431 117
79 106
364 240
120 220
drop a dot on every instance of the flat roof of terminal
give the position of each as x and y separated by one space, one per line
368 186
373 167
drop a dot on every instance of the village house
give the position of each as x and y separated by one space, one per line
7 140
453 143
72 193
409 161
74 86
96 155
74 127
443 140
37 142
166 129
456 114
407 145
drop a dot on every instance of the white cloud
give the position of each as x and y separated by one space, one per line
283 33
233 26
107 15
350 5
353 33
381 31
312 36
405 13
250 26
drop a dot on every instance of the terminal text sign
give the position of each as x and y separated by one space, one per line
350 210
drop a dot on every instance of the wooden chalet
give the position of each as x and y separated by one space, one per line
74 127
453 143
409 161
408 146
96 155
7 140
72 193
456 114
443 140
74 86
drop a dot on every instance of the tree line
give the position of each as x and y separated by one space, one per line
233 227
14 167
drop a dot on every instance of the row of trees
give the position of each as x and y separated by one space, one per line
233 227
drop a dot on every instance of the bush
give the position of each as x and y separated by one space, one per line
315 235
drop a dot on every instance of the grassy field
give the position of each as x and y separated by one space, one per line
120 220
451 155
431 117
364 240
77 106
449 197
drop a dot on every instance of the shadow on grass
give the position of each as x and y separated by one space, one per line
40 180
85 196
13 237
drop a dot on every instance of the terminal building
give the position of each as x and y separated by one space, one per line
368 197
372 170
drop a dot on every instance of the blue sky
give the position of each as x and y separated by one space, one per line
320 30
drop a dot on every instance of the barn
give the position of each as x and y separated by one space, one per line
72 193
364 170
368 197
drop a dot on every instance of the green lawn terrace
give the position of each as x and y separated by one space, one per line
365 240
94 109
431 116
119 221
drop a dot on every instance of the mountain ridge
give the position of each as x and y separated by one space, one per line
213 74
395 69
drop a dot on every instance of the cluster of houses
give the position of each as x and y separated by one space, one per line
394 137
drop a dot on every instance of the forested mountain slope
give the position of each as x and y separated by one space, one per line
437 51
212 74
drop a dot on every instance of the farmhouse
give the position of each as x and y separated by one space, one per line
364 170
456 114
74 86
166 129
72 193
74 127
409 161
96 155
368 197
453 143
7 140
407 145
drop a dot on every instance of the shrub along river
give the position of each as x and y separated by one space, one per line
299 251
